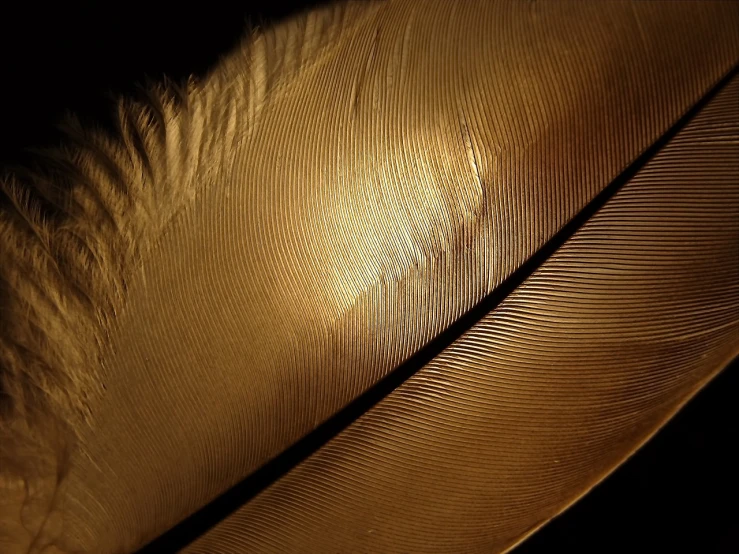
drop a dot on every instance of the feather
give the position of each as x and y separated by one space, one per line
400 276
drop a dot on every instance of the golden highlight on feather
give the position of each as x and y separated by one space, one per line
78 223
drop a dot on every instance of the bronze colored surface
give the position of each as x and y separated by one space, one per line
547 393
336 193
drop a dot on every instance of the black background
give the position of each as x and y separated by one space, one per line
678 494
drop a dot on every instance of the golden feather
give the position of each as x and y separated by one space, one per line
402 276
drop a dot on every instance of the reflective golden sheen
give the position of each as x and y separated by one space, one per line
340 190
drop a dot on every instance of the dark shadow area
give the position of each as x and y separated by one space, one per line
678 494
76 56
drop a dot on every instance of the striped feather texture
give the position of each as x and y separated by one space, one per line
452 239
546 394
